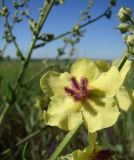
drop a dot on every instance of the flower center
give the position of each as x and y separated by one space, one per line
79 90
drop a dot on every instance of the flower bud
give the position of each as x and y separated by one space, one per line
123 27
124 14
59 2
4 11
130 41
76 29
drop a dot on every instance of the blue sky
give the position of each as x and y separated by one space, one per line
101 40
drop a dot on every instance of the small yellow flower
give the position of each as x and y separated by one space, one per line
86 94
89 153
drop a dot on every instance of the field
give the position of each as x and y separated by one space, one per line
23 124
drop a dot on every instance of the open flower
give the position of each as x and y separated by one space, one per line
86 94
89 153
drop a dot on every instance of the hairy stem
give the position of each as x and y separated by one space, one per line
46 10
69 32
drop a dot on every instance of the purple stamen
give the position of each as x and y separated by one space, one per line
77 97
69 91
75 83
79 91
84 92
84 82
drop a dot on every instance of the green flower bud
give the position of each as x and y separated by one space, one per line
123 27
130 41
4 11
59 2
22 12
76 29
124 14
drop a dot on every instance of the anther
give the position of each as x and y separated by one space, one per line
75 83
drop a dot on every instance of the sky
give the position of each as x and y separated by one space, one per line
102 40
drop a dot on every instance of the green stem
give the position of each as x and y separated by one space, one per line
122 60
132 21
3 49
42 20
65 142
11 34
46 9
69 32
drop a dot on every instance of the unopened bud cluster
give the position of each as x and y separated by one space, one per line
4 12
127 26
7 36
33 26
124 14
46 37
130 40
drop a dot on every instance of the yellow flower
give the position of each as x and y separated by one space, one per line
85 94
89 153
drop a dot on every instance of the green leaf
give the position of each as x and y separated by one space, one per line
24 152
10 94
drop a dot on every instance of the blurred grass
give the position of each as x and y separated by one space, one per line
25 117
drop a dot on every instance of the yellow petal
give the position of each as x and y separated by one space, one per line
53 83
85 68
126 69
108 83
103 65
125 98
86 154
99 113
63 113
